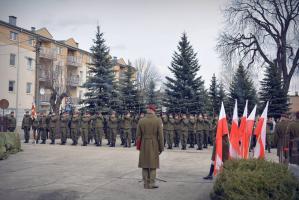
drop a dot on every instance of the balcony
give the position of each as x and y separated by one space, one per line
74 61
47 53
74 81
44 99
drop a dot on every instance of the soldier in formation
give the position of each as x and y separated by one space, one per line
11 122
113 126
26 125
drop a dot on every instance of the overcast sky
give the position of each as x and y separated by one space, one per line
133 29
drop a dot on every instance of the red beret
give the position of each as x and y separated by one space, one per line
152 107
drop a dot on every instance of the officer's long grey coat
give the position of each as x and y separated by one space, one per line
150 131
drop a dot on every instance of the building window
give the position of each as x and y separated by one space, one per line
29 63
28 88
12 59
30 41
13 35
59 50
11 86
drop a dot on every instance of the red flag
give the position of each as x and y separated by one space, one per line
234 148
242 128
247 136
33 111
222 130
260 132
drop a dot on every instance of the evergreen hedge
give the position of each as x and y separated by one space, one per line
255 179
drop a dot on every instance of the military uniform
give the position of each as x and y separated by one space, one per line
184 132
48 118
64 120
280 138
98 124
85 128
42 129
170 132
91 131
11 123
165 128
177 131
113 126
206 129
75 123
293 133
26 124
191 131
127 125
134 128
150 133
268 137
53 128
35 126
199 133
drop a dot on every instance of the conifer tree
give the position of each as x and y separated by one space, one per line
184 90
151 95
99 84
242 89
272 91
213 97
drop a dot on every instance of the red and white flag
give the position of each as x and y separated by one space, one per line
234 148
247 136
260 132
222 130
33 111
242 128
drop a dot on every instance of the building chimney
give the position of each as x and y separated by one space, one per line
33 29
12 20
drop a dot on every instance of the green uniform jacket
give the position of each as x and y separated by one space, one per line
43 122
98 122
177 125
171 124
53 121
165 123
150 132
127 123
185 125
293 130
134 122
75 122
11 122
206 125
27 121
85 122
64 121
113 123
192 125
199 125
280 134
35 123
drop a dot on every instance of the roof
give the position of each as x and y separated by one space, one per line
42 34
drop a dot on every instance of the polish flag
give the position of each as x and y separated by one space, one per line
234 148
242 128
260 132
33 111
222 130
247 136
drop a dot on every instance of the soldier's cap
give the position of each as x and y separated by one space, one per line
152 107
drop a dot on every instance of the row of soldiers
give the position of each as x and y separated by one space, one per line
194 129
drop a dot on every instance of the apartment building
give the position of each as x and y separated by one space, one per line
33 65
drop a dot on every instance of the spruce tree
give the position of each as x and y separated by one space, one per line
99 84
242 89
272 90
151 95
221 96
213 97
183 90
129 91
116 103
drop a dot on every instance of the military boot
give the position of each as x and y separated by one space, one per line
210 176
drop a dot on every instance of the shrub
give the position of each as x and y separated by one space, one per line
255 179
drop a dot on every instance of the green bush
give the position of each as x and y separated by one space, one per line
255 179
10 143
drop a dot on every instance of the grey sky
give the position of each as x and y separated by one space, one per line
133 28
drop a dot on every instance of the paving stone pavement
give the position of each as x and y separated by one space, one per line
55 172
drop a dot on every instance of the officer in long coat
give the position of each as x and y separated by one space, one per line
150 135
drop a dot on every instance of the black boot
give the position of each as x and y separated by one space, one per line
210 176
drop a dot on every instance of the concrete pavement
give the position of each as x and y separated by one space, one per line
58 172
